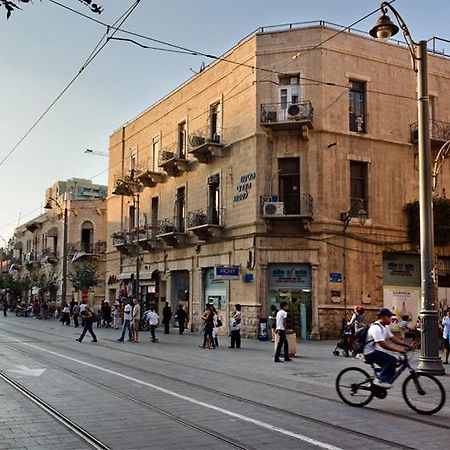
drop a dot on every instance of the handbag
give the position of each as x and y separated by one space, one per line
219 323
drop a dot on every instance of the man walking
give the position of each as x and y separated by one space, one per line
76 314
280 330
126 323
181 317
88 319
153 321
136 318
167 315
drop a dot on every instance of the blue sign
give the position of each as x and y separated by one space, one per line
336 277
226 273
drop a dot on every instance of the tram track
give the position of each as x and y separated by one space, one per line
214 391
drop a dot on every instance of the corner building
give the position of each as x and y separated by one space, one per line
259 168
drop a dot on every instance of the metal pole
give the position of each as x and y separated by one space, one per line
138 290
429 361
64 262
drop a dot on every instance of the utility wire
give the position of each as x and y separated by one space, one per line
97 49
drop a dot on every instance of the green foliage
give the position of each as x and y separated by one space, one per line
441 221
46 283
84 276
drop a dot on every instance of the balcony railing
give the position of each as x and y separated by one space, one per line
171 225
301 206
149 176
205 217
439 132
174 162
282 116
206 145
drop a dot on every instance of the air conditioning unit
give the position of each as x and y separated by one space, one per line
296 110
273 209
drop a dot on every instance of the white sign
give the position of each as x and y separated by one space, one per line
402 300
226 273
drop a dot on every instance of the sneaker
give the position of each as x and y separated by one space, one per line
382 384
94 340
78 339
445 362
120 340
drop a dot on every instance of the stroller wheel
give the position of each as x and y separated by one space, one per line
336 352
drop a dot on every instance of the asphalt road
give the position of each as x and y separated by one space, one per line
56 393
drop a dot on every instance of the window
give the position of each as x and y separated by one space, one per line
154 216
155 154
213 199
215 122
182 140
132 217
357 106
87 237
358 186
289 184
180 209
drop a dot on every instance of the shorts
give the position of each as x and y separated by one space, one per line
446 343
136 325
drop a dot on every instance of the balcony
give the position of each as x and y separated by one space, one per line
206 223
172 231
48 256
295 208
439 133
150 178
206 147
146 238
294 116
175 164
123 243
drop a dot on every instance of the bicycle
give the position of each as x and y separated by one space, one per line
422 392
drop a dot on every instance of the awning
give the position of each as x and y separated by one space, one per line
125 275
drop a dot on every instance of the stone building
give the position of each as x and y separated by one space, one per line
280 172
39 243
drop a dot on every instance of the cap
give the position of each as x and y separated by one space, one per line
385 312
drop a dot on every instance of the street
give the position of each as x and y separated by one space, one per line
174 395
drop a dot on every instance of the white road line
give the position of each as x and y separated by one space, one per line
227 412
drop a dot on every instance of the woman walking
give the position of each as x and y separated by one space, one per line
88 319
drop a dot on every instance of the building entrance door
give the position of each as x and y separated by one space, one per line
299 313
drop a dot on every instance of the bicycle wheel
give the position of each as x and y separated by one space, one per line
353 386
423 393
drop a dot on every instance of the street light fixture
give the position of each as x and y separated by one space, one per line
429 361
48 205
130 187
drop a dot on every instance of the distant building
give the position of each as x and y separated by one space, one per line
279 173
39 243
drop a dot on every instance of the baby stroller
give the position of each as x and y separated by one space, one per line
345 343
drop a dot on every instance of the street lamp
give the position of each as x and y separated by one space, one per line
429 360
48 205
130 187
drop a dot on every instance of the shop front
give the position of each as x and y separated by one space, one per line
292 283
215 293
179 292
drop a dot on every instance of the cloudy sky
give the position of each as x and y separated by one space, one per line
44 46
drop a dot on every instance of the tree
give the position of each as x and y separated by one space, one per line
12 5
84 276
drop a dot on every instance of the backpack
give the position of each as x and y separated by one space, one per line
361 339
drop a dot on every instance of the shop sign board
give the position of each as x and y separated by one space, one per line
401 269
335 277
289 276
226 273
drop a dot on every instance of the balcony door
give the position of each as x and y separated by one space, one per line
289 184
180 209
289 94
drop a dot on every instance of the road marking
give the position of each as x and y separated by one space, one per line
23 370
227 412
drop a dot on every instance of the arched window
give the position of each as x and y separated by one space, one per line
87 237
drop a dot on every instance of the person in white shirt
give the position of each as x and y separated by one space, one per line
126 323
280 329
446 335
136 318
378 343
153 322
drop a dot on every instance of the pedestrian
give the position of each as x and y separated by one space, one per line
235 327
126 323
65 316
446 335
5 306
217 323
136 318
82 308
76 314
106 315
181 317
167 316
273 321
280 330
98 318
116 315
208 319
88 316
153 322
357 319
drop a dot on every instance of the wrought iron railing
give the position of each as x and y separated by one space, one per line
170 225
206 216
272 205
439 130
286 112
203 136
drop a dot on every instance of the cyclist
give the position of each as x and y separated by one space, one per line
378 342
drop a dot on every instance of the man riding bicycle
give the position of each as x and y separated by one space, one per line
379 340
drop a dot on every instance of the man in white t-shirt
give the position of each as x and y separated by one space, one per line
126 323
280 329
153 321
378 342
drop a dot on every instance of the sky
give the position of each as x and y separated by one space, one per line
44 45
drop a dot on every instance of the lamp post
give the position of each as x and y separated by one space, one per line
129 187
429 361
48 205
357 210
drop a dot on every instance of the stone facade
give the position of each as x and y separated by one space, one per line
262 163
